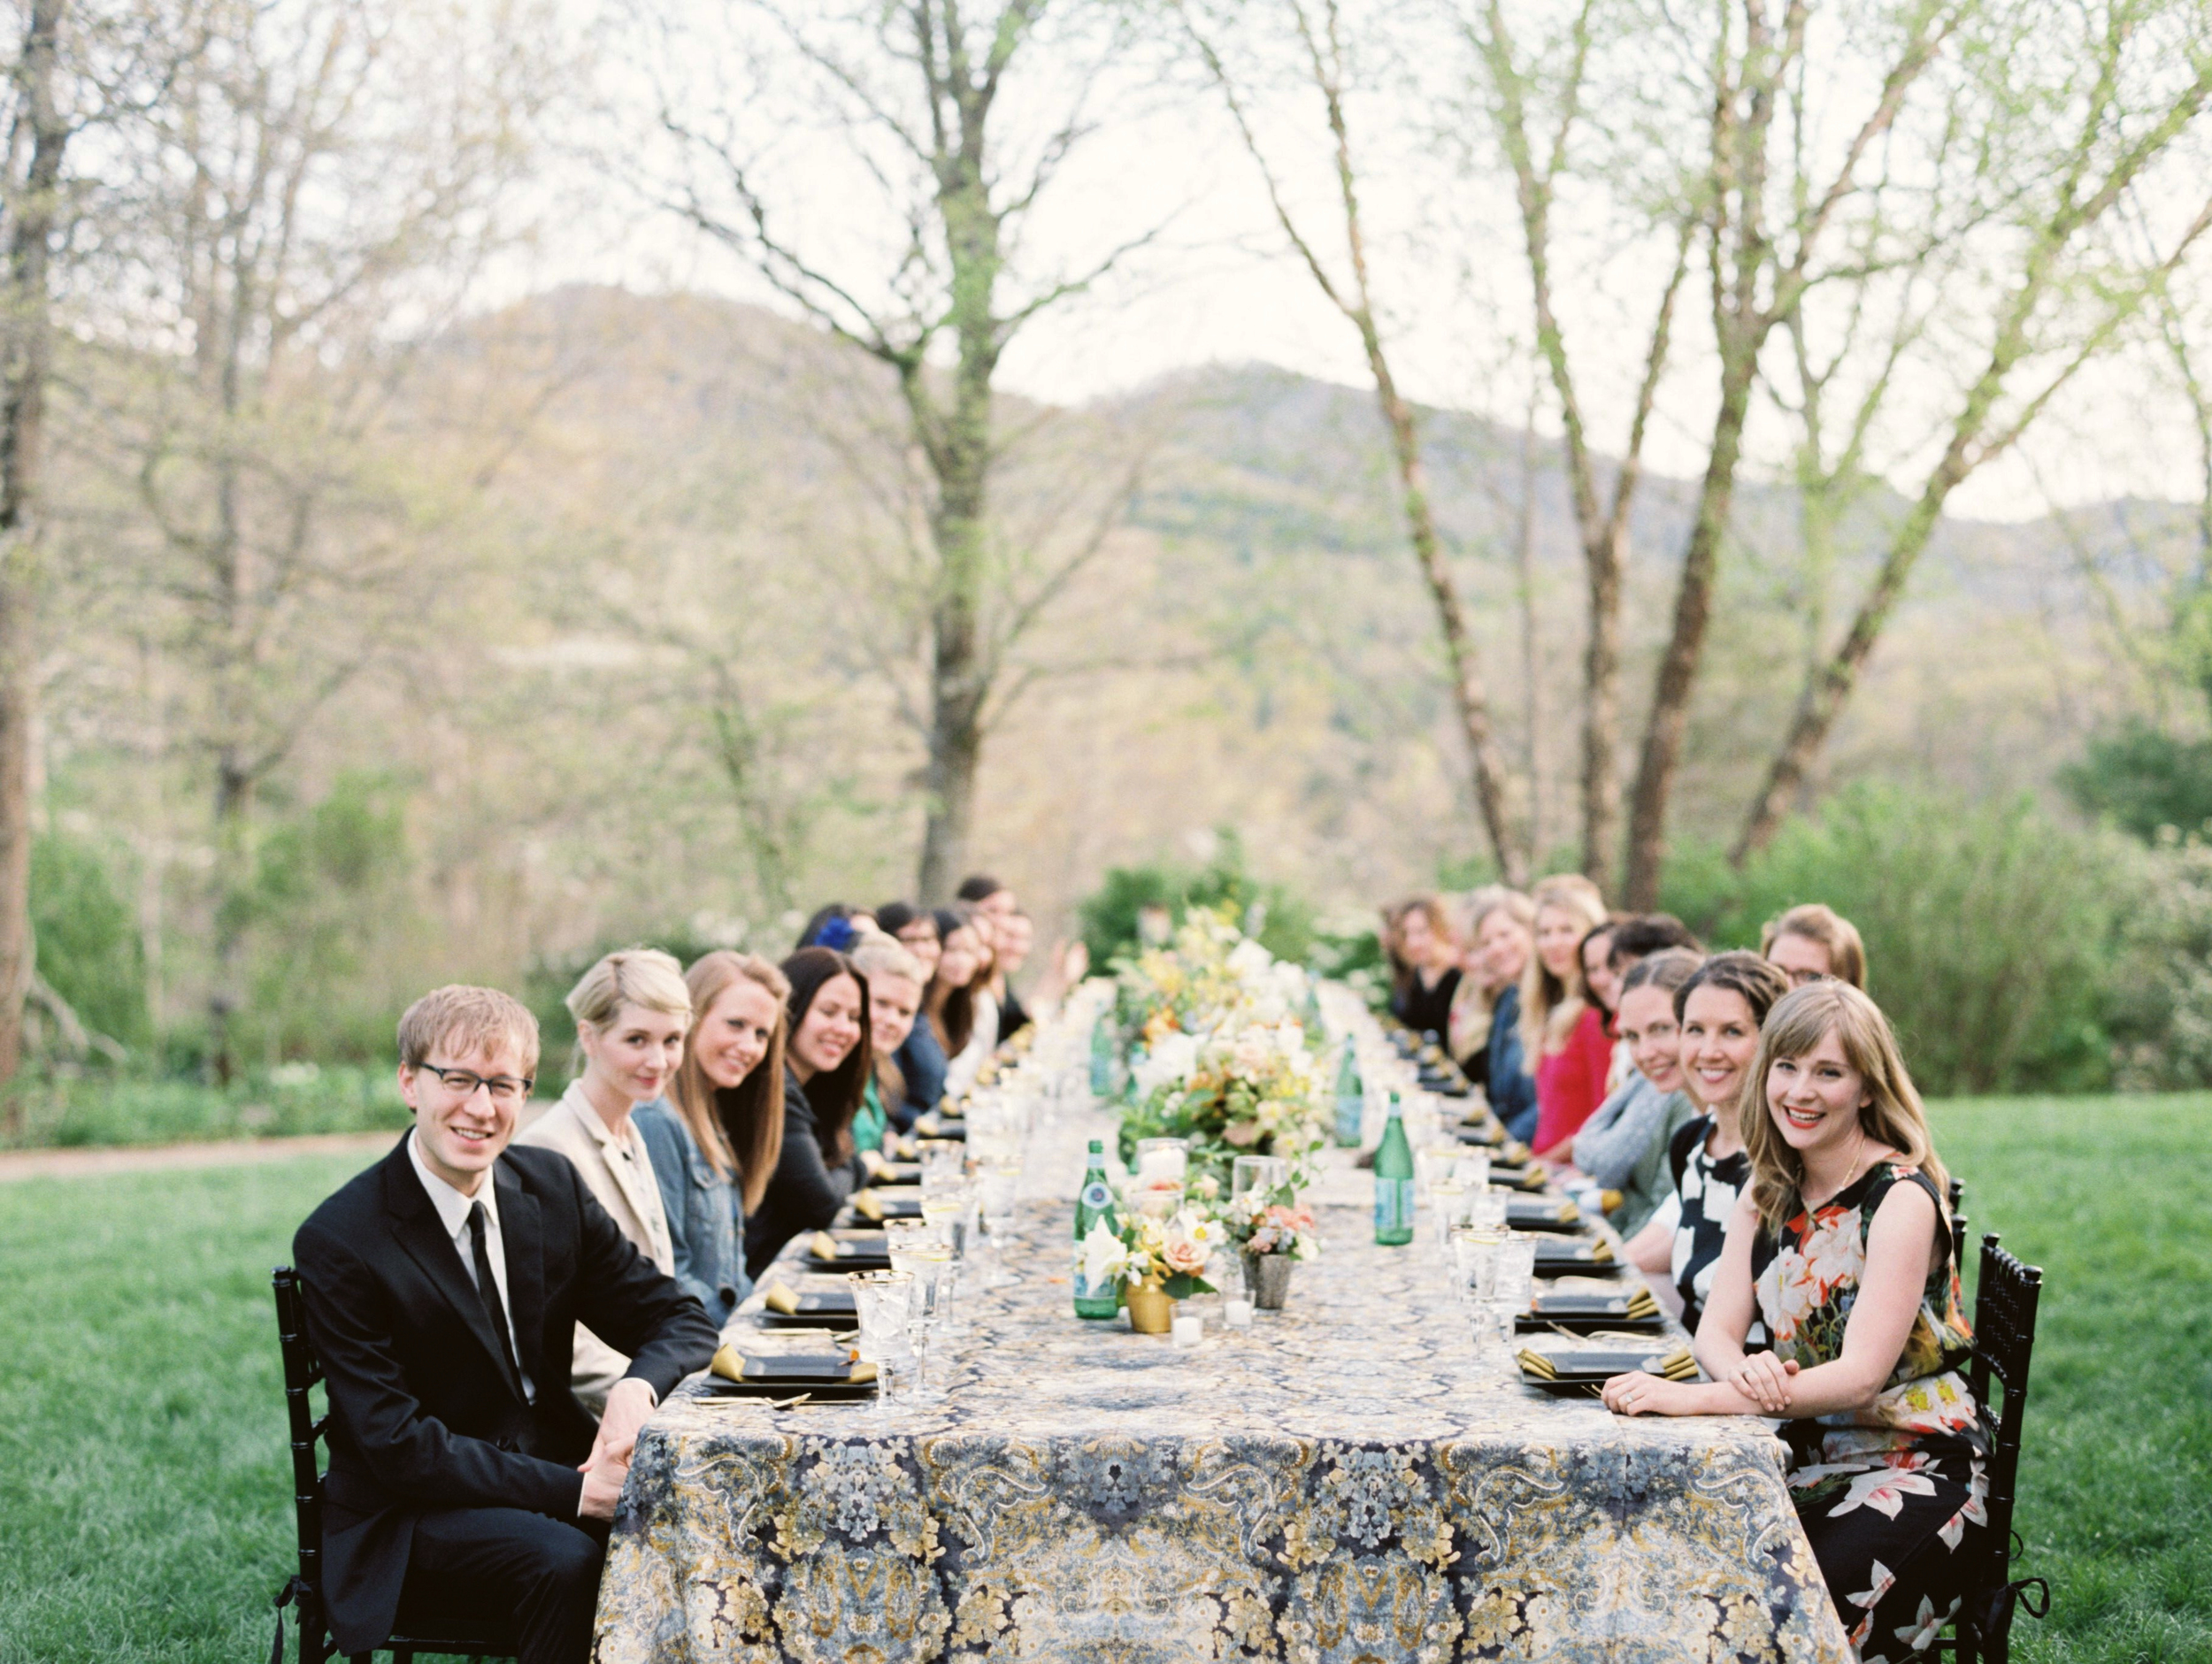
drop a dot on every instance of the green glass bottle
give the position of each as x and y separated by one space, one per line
1096 1203
1351 1099
1394 1182
1102 1057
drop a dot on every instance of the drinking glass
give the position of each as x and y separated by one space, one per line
996 1190
1487 1207
1474 1263
1448 1208
1472 1168
942 1159
932 1270
1515 1262
1495 1326
1264 1173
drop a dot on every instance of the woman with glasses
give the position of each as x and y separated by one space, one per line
1811 942
718 1135
632 1012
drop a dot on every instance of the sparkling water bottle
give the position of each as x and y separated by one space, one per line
1394 1182
1351 1099
1094 1204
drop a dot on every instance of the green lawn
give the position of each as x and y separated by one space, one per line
143 1482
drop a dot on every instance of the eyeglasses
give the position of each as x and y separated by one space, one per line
1802 978
462 1083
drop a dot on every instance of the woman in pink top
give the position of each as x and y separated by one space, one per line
1563 1030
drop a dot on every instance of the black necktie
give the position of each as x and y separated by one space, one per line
488 1291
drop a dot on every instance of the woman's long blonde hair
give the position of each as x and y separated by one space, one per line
1892 1114
1550 1005
740 1127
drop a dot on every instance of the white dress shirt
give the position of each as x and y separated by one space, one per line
453 1213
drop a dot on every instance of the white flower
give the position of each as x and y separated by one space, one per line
1926 1624
1880 1580
1249 961
1104 1259
1885 1491
1168 1064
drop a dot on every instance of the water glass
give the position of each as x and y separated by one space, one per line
1487 1207
1473 1168
1266 1174
942 1159
884 1302
1514 1281
1474 1261
1447 1209
995 1191
1494 1328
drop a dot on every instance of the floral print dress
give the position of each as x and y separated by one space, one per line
1893 1497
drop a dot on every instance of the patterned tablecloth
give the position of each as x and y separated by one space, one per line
1343 1484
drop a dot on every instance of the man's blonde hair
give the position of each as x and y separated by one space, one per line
470 1020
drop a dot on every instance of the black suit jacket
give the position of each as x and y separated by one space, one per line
424 1413
806 1189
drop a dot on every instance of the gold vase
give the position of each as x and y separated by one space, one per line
1150 1311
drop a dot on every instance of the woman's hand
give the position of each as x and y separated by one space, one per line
1765 1380
1637 1393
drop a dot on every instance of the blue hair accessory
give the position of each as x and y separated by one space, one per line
837 933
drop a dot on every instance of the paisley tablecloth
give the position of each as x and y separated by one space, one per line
1344 1483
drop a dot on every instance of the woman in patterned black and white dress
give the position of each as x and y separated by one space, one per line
1720 1008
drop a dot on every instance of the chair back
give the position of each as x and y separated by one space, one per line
305 1431
2005 1300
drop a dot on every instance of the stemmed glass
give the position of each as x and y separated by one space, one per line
917 1249
884 1302
995 1189
949 1207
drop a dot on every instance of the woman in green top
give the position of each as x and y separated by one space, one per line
895 995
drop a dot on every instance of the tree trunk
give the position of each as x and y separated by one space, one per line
1686 644
22 441
233 804
1525 578
1492 782
1603 559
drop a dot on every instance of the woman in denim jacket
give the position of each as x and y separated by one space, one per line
715 1140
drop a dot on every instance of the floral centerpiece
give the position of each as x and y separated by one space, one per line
1155 1261
1272 1231
1246 1088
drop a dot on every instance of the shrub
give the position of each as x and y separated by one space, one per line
1993 933
88 947
1283 923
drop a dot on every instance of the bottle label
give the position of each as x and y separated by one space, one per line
1350 1107
1096 1197
1393 1205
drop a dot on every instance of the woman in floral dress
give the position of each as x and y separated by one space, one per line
1842 1248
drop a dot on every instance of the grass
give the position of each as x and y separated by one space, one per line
289 1099
143 1486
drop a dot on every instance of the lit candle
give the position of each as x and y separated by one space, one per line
1188 1330
1237 1311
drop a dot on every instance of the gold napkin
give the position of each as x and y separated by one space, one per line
729 1363
868 1205
1602 1254
777 1298
1640 1304
824 1246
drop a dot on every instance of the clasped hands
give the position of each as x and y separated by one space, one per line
1763 1378
607 1466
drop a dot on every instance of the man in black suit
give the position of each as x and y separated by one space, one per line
442 1288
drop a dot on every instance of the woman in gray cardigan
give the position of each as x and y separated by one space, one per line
1622 1145
716 1137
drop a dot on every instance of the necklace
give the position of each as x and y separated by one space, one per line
1857 1156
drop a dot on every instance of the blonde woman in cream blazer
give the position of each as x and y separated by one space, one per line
632 1012
619 1175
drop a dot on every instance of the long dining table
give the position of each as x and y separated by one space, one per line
1346 1482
